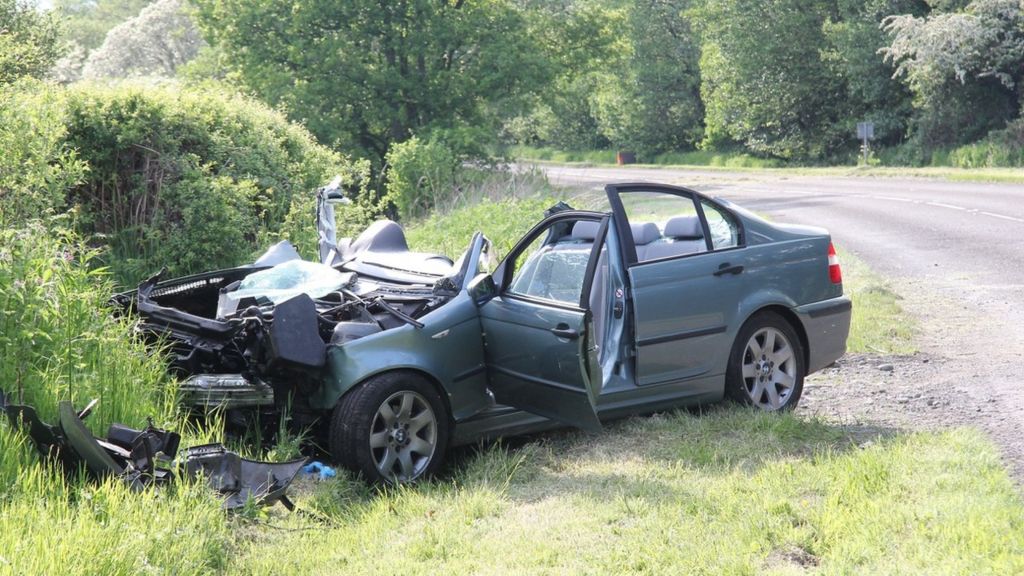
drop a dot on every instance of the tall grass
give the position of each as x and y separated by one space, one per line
60 341
502 204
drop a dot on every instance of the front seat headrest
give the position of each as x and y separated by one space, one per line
645 233
585 230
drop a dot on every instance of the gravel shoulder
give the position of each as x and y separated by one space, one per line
964 374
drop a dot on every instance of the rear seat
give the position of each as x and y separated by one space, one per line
683 235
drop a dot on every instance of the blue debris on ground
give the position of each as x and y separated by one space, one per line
322 470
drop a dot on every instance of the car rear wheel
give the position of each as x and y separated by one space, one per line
766 366
392 428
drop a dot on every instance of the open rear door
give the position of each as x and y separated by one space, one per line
537 330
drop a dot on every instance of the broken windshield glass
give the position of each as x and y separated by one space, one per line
290 279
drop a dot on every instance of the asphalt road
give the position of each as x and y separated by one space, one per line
953 250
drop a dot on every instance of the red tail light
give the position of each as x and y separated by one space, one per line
835 273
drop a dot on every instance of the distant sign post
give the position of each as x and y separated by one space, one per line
866 132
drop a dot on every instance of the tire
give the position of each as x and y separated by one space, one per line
754 372
392 428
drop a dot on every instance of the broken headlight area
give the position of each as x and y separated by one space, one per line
150 457
224 391
255 337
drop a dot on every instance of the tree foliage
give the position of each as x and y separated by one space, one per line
88 21
963 65
29 41
652 103
364 74
765 84
785 80
155 43
628 79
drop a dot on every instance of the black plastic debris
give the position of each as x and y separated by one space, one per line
240 479
145 457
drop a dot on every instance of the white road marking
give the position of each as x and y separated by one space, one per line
951 207
941 205
1004 217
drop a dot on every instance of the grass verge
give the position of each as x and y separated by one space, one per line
728 492
879 324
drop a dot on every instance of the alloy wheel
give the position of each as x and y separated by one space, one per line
769 369
403 436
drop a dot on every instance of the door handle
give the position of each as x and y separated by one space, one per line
564 331
726 268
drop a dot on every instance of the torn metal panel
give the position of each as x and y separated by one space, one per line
144 457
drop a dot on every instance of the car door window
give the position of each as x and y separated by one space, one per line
663 225
553 266
725 232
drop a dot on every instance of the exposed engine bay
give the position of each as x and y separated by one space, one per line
258 335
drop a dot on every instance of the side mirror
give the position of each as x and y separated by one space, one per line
482 288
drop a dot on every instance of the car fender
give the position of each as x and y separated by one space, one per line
764 299
448 349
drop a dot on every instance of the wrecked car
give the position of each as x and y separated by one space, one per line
663 299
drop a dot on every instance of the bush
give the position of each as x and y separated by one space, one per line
37 166
1000 149
191 179
420 173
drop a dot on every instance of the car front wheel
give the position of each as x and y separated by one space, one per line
766 366
392 428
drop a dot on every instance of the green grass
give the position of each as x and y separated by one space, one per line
879 324
504 222
729 492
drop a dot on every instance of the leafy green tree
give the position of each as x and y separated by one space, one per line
852 54
764 83
364 74
582 39
29 41
88 21
964 64
653 103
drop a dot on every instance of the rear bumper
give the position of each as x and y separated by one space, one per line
827 325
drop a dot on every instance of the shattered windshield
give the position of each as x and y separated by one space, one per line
290 279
